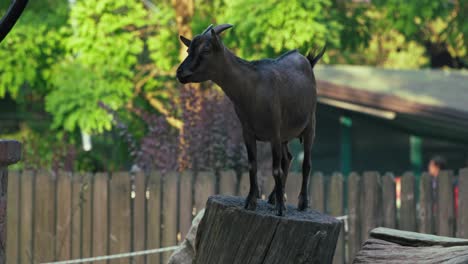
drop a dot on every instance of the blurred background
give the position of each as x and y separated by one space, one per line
91 86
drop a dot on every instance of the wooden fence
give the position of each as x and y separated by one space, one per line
66 216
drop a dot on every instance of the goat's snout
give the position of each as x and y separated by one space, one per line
183 74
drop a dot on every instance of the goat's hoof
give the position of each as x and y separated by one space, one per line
271 198
303 204
251 203
279 209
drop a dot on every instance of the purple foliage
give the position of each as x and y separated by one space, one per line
211 138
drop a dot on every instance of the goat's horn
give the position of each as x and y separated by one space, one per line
220 28
207 29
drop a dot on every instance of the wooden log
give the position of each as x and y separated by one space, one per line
230 234
425 205
462 224
445 205
395 246
408 203
389 200
354 219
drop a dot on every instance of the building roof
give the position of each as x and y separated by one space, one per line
435 97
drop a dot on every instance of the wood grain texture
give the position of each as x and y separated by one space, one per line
230 234
395 246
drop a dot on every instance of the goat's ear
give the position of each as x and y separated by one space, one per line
185 40
215 40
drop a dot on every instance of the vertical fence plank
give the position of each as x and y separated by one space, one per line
87 216
446 221
269 184
317 192
76 207
408 203
389 200
371 209
169 211
228 182
120 215
204 187
12 222
154 215
185 210
354 219
100 219
425 204
25 248
244 185
335 200
293 187
462 224
139 216
44 218
63 228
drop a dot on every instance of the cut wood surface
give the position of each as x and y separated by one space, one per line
395 246
230 234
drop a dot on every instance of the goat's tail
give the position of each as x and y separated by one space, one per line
313 59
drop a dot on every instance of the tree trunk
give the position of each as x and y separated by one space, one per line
230 234
395 246
184 12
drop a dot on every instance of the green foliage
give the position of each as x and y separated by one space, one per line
103 50
31 48
272 27
64 59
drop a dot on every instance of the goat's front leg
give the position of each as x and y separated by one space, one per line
277 174
251 145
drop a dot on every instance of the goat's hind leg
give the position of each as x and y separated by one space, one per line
286 159
277 174
308 139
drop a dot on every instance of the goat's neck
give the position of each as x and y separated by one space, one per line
235 77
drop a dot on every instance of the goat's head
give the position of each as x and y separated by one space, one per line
204 53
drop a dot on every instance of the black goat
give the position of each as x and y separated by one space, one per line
275 100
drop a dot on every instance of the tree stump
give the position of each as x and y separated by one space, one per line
387 245
230 234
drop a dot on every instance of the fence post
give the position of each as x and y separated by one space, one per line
10 153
